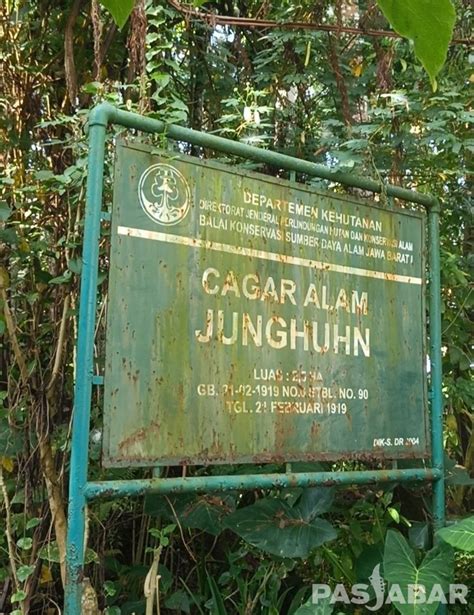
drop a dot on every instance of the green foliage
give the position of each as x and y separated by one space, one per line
400 568
419 535
428 23
205 512
324 607
286 530
431 36
460 535
282 89
119 9
218 607
162 535
24 572
179 601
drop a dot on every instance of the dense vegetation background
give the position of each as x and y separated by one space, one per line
337 96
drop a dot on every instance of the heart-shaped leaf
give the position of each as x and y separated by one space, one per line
119 9
315 501
416 582
428 23
275 527
460 535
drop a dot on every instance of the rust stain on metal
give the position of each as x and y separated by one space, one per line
269 323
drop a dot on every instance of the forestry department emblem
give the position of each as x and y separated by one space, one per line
164 194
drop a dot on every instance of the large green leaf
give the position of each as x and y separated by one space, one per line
455 474
5 211
367 560
287 531
460 535
324 607
179 601
205 512
400 568
315 501
419 535
428 23
119 9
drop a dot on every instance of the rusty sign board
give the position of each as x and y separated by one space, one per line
253 320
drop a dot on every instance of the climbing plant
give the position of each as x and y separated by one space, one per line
336 85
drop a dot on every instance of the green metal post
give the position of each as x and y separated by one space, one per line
436 369
84 370
437 450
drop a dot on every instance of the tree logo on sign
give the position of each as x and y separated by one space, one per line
164 194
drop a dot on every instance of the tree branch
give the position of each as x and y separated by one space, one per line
11 328
249 22
56 502
340 83
69 65
9 531
59 346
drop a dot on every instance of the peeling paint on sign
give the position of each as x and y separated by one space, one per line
255 320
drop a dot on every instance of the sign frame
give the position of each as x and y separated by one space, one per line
81 489
279 386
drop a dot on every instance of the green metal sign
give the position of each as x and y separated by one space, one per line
251 319
255 320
